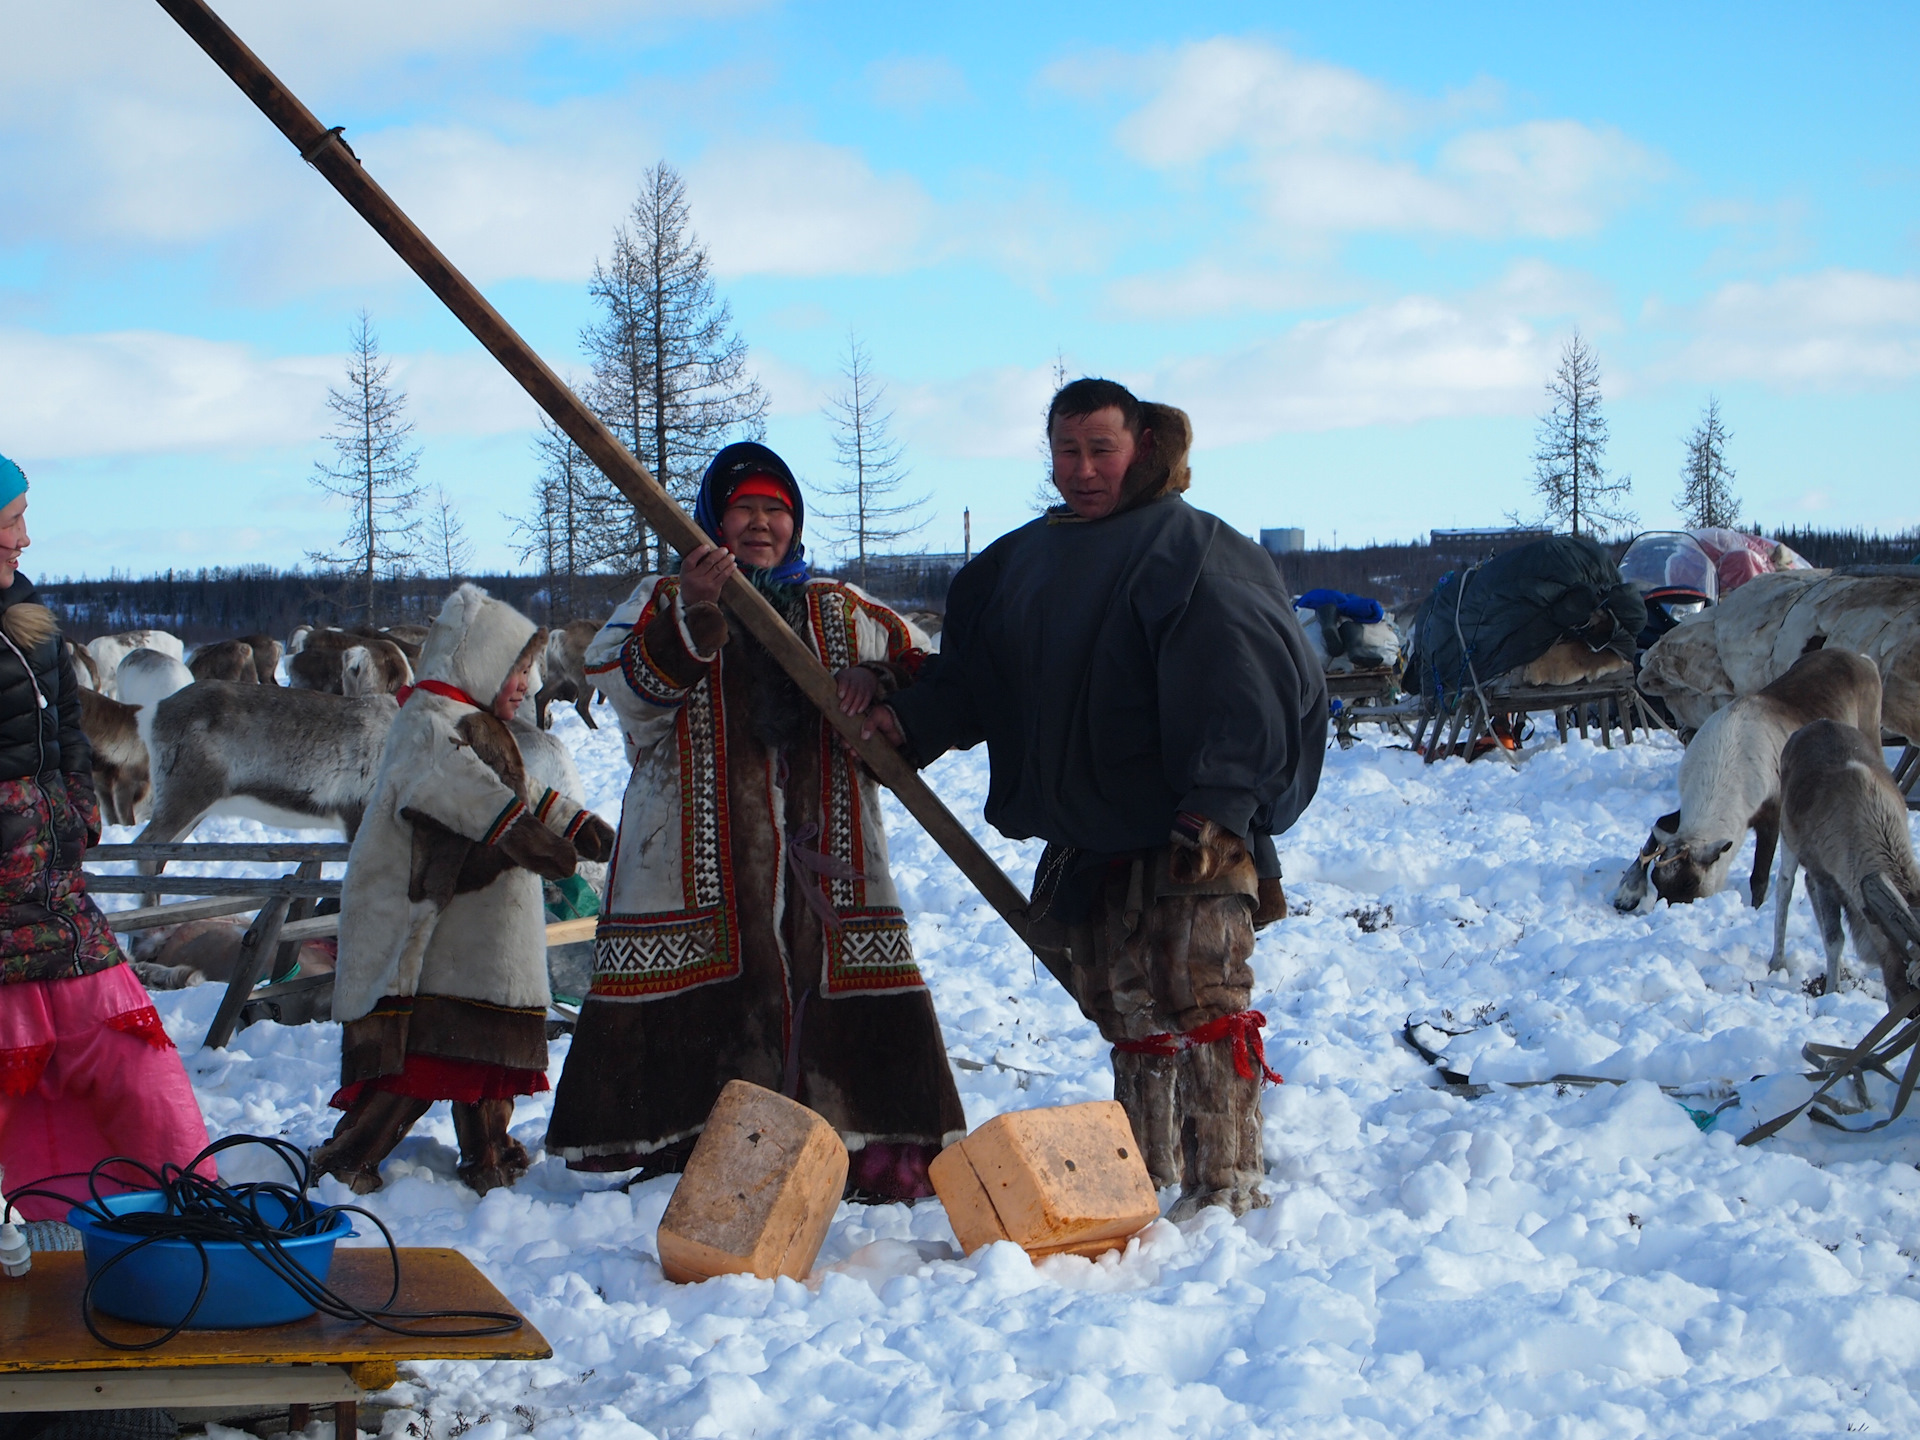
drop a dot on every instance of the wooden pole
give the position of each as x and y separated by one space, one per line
323 148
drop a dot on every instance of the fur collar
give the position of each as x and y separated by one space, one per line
29 625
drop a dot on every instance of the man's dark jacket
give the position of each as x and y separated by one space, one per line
1125 669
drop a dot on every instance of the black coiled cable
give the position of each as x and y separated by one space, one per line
198 1211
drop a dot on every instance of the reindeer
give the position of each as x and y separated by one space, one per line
266 657
320 664
109 650
1730 779
295 759
120 776
230 660
177 957
1844 820
144 679
566 677
85 672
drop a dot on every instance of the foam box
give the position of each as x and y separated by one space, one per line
759 1192
1062 1181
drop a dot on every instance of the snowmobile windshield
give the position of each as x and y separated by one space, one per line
1670 565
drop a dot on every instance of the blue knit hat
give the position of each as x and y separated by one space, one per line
13 482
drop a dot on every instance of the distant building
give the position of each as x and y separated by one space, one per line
1287 540
1468 546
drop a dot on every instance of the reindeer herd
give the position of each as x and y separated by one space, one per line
177 736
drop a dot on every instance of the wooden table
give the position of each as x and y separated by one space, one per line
48 1361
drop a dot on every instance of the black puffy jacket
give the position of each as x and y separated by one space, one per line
49 929
39 697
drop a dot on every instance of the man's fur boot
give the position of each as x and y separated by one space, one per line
1219 1134
1147 1087
377 1121
489 1156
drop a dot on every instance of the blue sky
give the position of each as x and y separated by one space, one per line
1349 240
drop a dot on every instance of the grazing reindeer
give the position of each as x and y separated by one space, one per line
230 660
120 778
566 677
1730 779
1844 820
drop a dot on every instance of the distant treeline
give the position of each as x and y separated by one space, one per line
211 604
1827 548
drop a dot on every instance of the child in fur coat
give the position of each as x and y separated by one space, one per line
442 979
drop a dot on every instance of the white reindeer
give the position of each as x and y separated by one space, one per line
1730 779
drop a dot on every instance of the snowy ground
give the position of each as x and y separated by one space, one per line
1551 1261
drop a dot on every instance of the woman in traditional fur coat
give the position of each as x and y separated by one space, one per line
751 929
442 978
86 1069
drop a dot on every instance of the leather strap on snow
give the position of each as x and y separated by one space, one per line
1837 1064
1242 1028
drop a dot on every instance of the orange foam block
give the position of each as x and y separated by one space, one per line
759 1191
1062 1181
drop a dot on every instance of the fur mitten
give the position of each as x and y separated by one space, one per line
1201 850
530 845
593 837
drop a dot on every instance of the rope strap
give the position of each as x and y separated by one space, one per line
1242 1028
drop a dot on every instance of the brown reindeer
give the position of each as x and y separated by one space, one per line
566 677
1844 820
230 660
121 779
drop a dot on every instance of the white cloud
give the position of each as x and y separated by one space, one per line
148 393
1327 150
1226 93
1833 329
803 208
1415 358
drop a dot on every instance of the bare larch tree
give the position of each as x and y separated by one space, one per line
865 501
372 470
1568 447
443 541
1706 493
577 523
669 372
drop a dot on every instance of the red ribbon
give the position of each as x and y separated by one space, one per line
437 687
1242 1027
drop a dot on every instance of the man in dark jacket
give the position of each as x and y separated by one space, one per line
1152 710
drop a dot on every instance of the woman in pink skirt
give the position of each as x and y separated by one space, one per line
86 1070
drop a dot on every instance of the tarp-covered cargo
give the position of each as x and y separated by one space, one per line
1507 612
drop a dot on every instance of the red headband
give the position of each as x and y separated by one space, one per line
760 486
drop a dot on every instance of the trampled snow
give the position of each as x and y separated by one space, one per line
1555 1259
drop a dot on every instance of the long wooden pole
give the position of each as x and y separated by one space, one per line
323 148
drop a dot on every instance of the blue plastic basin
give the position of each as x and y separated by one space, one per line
157 1286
